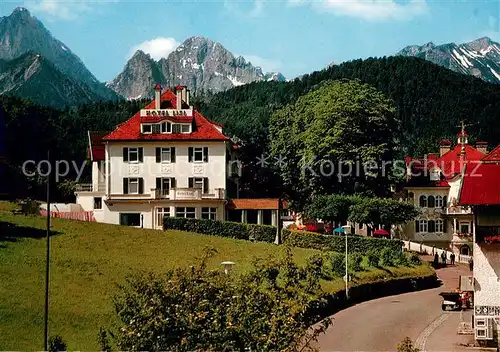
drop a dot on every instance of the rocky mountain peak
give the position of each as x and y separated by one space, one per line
199 63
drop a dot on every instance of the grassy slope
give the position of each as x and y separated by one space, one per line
89 259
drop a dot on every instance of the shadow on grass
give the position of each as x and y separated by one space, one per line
11 233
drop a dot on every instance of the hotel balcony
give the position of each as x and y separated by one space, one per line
458 210
90 188
174 194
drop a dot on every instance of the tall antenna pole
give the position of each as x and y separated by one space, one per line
47 264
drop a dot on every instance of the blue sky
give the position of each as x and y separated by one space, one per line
292 36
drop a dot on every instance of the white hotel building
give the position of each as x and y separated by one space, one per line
167 159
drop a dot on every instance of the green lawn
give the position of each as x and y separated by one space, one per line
88 259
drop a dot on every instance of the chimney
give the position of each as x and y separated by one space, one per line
178 92
444 146
187 96
482 147
157 97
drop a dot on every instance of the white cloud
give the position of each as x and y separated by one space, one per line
370 10
63 9
158 47
267 65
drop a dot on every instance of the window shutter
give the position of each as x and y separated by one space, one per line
172 182
125 154
141 186
125 186
191 182
205 154
190 154
205 185
444 225
172 155
140 154
444 202
417 226
158 154
158 183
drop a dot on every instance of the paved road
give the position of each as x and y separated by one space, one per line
379 325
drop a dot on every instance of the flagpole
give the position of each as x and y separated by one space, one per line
47 264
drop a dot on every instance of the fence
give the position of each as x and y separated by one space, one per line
73 215
422 248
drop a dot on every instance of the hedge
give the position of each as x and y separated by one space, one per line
265 233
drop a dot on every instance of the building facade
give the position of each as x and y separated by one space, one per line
481 192
433 184
167 160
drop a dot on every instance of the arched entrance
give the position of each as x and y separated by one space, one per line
465 250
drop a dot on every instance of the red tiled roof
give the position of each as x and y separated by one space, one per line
131 129
96 145
451 164
256 203
493 156
157 87
481 185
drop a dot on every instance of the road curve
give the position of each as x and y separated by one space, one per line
381 324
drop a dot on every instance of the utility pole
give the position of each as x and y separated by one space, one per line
47 263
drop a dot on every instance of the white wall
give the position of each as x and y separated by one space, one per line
487 274
182 169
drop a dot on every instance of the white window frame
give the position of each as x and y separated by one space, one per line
169 159
147 125
464 223
132 181
439 226
184 212
169 181
439 201
175 125
133 150
423 226
209 213
95 203
200 152
166 127
161 212
426 201
199 181
185 128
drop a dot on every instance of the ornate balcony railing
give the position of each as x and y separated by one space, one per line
458 210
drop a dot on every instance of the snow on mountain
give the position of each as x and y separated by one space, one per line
479 58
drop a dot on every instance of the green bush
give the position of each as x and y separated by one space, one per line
400 258
372 258
337 261
264 233
386 257
354 262
334 243
414 258
222 228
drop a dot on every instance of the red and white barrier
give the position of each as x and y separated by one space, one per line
73 215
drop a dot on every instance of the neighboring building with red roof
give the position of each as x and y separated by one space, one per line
433 183
481 192
166 160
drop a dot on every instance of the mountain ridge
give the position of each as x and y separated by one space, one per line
479 57
199 63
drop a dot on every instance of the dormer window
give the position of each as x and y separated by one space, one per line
147 128
186 128
166 127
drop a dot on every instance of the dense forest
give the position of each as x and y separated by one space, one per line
430 103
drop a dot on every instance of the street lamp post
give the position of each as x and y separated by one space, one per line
347 230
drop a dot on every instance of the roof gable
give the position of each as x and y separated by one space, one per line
451 163
130 130
493 156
